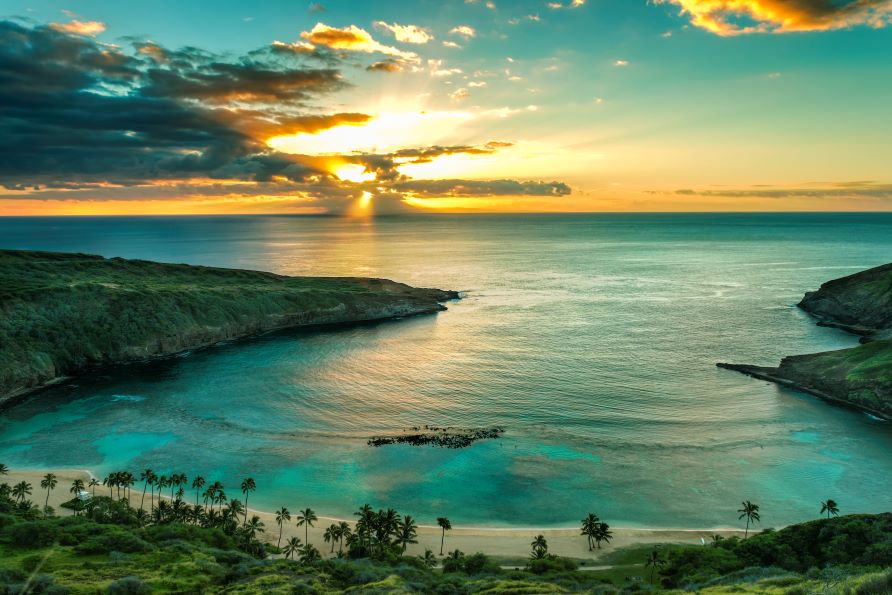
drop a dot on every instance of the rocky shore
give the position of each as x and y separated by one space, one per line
63 314
435 436
860 377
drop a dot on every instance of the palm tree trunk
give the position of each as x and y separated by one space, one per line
745 533
141 502
279 544
246 510
47 503
442 539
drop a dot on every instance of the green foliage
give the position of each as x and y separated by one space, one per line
853 541
60 313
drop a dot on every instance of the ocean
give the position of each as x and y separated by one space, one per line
592 339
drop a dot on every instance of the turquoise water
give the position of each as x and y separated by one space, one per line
591 338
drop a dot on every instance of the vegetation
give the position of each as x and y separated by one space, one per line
172 546
61 313
860 377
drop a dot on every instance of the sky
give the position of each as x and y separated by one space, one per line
363 108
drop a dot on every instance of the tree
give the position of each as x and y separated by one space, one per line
331 535
305 519
248 486
589 528
20 490
653 562
343 533
407 530
48 483
92 485
309 554
539 548
830 507
749 511
283 515
445 525
292 546
77 486
429 559
197 484
144 477
4 470
602 533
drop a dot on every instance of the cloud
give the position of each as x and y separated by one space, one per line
838 190
407 33
76 27
385 66
459 94
81 120
353 39
432 188
316 7
736 17
620 63
463 30
451 44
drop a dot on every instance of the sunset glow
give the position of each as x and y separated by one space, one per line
690 105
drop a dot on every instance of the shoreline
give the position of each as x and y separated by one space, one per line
504 542
765 373
18 395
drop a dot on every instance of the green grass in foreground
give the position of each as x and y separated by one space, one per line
175 548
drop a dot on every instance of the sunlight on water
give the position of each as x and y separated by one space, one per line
591 339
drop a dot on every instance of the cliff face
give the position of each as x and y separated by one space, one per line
63 313
859 377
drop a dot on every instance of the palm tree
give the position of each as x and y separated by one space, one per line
749 511
589 528
653 562
48 483
306 518
92 485
407 530
144 477
77 486
283 515
235 509
602 533
4 470
254 526
309 554
20 490
197 484
331 535
292 546
429 559
127 480
540 548
343 533
830 507
248 486
445 525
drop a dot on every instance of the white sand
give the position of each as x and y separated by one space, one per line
513 542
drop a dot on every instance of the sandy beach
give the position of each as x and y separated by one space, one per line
502 542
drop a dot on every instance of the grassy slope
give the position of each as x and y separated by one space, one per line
62 312
861 376
86 557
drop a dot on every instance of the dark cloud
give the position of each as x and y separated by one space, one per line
84 120
858 189
482 188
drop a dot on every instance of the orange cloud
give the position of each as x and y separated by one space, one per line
75 27
352 39
723 17
407 33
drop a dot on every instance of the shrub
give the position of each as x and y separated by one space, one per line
113 541
550 565
129 585
878 584
33 534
